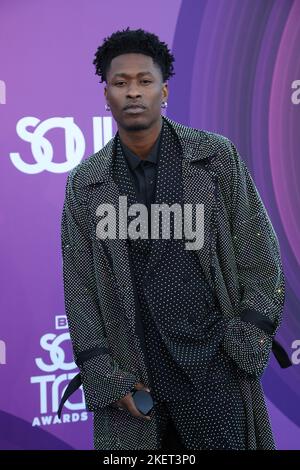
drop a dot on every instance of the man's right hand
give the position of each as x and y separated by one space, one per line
127 402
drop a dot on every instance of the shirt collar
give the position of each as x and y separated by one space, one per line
133 160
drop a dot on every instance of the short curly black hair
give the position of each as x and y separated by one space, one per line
138 40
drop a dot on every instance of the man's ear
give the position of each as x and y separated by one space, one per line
165 91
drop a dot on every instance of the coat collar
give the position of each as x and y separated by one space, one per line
196 145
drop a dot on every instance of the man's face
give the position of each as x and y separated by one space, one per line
134 79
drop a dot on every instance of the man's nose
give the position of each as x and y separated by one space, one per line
133 91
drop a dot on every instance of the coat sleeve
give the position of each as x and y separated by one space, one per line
248 337
103 380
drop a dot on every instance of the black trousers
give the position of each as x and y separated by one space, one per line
170 440
214 417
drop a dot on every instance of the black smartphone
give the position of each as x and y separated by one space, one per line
143 401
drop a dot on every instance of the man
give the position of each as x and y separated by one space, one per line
192 323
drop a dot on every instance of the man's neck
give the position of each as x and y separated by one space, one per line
141 142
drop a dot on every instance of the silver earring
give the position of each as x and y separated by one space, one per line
107 107
164 104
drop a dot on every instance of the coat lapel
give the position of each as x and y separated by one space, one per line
200 188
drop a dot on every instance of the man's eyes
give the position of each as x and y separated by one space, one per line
143 81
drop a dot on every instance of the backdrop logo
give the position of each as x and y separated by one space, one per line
55 374
2 92
41 147
296 354
2 352
295 97
61 322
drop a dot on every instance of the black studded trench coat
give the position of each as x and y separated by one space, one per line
240 258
